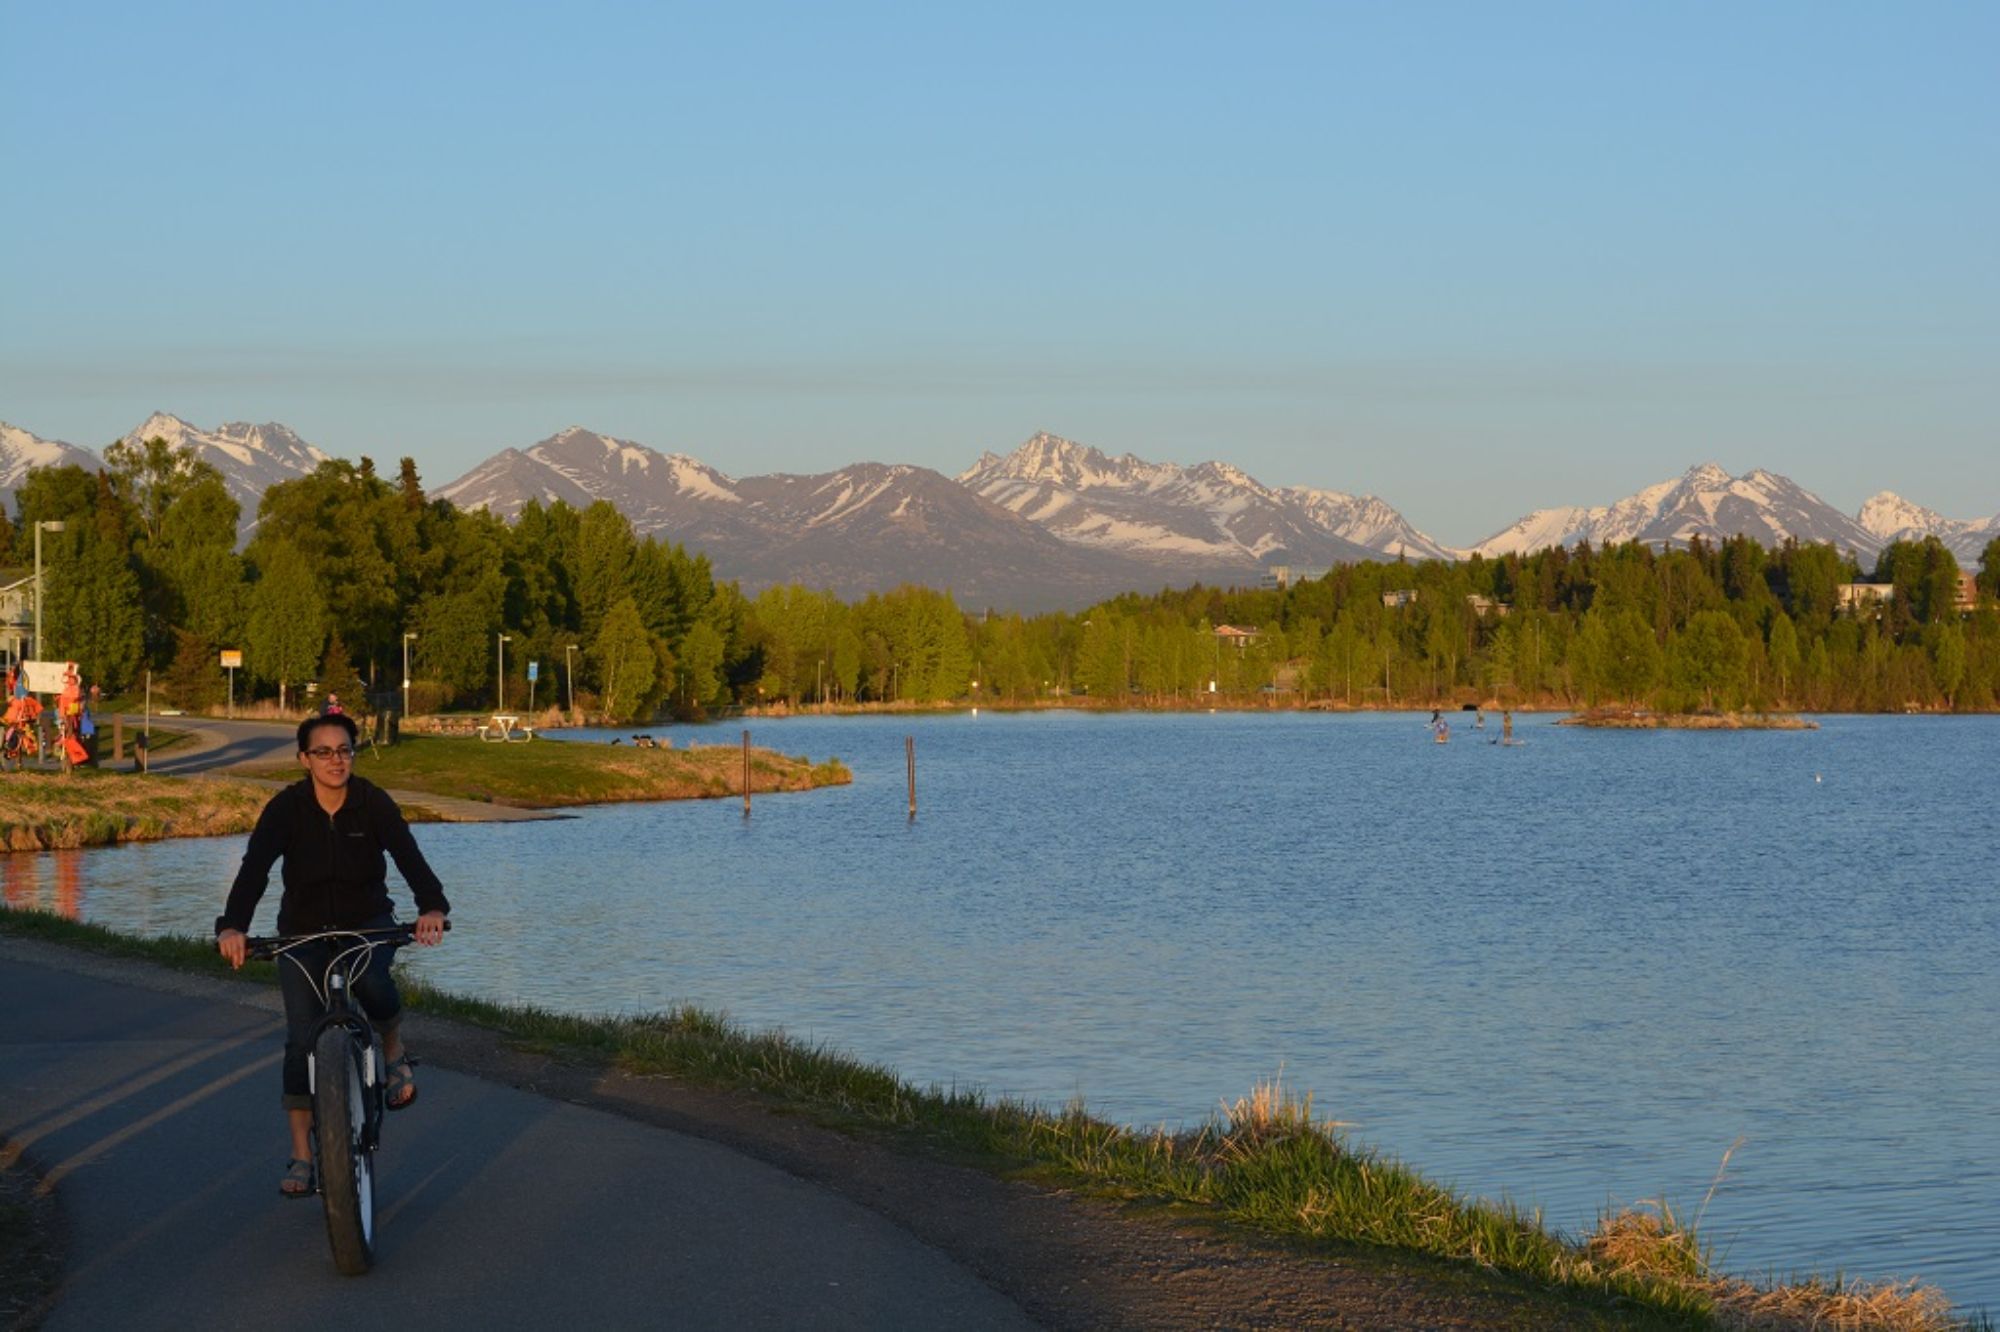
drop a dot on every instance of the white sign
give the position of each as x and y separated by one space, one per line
44 677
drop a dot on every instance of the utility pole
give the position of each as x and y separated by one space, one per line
52 525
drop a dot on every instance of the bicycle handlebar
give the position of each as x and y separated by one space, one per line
265 947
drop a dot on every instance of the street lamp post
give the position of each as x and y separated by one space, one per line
569 670
407 640
52 525
501 684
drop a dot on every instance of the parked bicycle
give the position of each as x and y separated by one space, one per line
348 1078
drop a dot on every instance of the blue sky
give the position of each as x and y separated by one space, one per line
1472 258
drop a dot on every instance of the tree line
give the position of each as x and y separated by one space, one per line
346 569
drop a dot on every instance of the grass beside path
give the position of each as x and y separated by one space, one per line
546 774
42 811
1266 1163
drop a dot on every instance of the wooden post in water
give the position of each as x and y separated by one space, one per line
910 758
746 774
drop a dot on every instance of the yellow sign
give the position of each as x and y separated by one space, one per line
232 658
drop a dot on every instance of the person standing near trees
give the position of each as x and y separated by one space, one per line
332 829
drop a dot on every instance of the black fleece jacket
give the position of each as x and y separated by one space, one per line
335 875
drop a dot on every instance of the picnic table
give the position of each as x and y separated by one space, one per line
506 727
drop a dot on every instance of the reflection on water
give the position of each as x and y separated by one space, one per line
52 881
1572 971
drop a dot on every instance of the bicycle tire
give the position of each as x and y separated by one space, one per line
346 1167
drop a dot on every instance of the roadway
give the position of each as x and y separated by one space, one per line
151 1107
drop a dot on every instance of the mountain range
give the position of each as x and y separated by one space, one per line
1051 524
251 458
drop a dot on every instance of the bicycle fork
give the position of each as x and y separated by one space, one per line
339 1013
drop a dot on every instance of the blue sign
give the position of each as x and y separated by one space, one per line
534 669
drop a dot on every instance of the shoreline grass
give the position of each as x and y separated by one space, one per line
1266 1162
550 775
50 811
57 811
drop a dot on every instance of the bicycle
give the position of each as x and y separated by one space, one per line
348 1079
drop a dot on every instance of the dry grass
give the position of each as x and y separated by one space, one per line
1648 1241
51 811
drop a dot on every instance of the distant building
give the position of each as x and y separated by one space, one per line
1854 596
1486 605
1402 596
1968 591
1284 575
17 613
1241 638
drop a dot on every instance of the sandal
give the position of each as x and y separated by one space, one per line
400 1092
298 1181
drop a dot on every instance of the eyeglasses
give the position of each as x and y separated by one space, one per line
325 752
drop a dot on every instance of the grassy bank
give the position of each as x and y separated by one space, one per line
1267 1163
42 811
548 774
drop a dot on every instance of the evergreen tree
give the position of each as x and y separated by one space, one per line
195 681
93 616
337 676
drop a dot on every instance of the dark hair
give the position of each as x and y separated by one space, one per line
340 719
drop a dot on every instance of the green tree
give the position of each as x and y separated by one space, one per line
93 616
1783 653
455 640
603 565
1618 655
337 676
626 661
700 665
152 477
1925 575
195 681
1707 659
287 619
1989 570
1948 659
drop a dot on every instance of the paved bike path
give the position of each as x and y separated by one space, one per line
155 1116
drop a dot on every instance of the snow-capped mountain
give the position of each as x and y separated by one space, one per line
1367 522
861 529
251 458
1212 516
1891 518
20 450
1704 501
657 491
874 526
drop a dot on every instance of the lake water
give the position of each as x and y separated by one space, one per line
1572 972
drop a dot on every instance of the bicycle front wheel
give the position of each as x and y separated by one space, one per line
346 1167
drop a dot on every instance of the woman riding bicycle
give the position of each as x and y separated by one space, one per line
332 829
